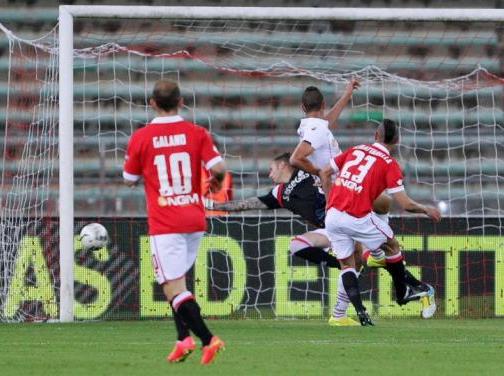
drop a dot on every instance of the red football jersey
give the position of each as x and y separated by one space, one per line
365 171
168 153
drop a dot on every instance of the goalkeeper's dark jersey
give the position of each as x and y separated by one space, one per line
301 196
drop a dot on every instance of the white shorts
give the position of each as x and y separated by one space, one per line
344 230
174 254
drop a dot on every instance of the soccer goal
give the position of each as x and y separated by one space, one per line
74 95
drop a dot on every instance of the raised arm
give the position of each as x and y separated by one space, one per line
252 203
299 158
335 111
414 207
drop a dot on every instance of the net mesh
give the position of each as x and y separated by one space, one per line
243 79
29 152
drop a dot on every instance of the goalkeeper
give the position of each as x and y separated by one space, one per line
296 191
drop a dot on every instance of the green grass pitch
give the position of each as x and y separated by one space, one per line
258 347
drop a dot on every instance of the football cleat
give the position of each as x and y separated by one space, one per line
211 350
371 261
428 303
182 350
413 293
342 321
364 319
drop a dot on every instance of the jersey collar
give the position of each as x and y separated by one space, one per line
311 121
377 145
166 119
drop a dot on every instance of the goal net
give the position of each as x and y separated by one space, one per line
242 78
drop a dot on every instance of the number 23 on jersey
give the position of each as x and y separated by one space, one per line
362 161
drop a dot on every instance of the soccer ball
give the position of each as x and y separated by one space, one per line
93 236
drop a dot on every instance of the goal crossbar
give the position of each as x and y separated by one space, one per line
347 14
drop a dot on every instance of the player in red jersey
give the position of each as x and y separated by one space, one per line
168 154
364 172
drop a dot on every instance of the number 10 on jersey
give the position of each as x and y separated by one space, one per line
179 171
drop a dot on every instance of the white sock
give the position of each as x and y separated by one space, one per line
342 302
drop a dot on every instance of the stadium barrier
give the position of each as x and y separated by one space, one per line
244 270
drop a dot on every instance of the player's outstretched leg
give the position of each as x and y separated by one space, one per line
304 248
404 292
187 308
416 288
185 344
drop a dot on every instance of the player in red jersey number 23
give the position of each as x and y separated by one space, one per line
364 172
168 154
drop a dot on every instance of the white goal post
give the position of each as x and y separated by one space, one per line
67 14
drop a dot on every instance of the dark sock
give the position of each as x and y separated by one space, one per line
182 329
398 272
351 285
189 311
410 279
318 255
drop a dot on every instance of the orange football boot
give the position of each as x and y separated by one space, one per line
210 351
182 350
